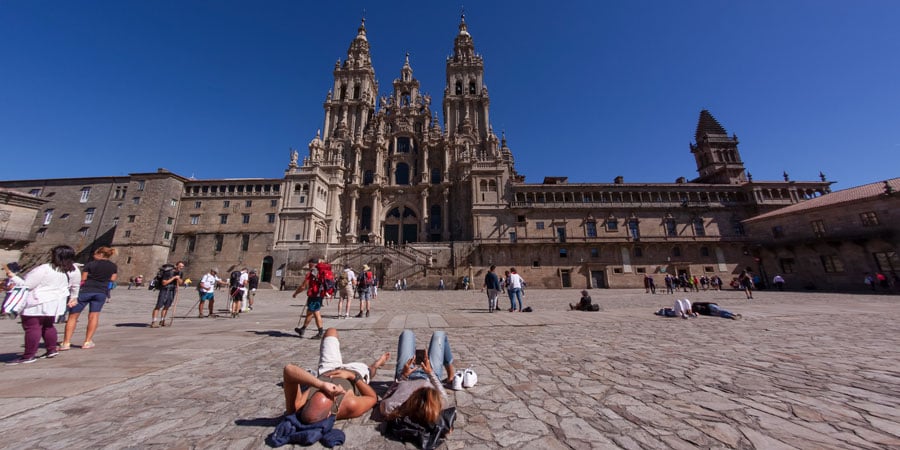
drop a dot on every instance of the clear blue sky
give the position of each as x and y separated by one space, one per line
588 90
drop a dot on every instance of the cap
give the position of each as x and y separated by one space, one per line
365 267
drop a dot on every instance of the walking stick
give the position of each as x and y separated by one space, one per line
174 304
190 310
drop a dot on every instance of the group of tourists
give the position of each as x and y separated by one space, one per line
57 289
512 283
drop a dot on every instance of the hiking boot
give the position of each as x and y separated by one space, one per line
162 322
300 331
320 334
359 315
367 314
154 325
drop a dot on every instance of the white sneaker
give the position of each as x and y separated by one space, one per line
470 378
457 381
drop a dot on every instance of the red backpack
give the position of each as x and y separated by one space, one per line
323 284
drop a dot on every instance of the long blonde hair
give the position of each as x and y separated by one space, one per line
423 407
106 252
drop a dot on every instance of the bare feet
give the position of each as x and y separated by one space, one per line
378 363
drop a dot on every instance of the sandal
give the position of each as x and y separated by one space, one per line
65 346
88 344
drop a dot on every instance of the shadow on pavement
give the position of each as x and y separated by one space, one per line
259 422
273 333
134 325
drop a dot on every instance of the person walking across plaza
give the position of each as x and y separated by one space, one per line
96 277
346 284
314 294
208 285
252 286
366 287
169 279
492 288
49 285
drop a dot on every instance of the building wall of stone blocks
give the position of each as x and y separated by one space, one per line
837 255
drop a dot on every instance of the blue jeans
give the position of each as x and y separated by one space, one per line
439 354
515 294
716 311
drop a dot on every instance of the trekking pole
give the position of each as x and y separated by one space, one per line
302 316
174 304
190 310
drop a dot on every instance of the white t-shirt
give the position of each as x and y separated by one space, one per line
351 276
208 283
243 280
514 281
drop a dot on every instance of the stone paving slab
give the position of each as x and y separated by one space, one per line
801 370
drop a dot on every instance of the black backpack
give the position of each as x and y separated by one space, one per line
165 272
234 280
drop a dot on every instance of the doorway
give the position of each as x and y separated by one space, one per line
598 279
266 275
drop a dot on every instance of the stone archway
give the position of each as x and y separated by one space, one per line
401 225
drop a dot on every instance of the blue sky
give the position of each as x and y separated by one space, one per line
588 90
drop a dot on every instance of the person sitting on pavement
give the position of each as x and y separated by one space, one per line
584 304
712 309
417 391
339 389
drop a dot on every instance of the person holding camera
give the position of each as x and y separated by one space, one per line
417 391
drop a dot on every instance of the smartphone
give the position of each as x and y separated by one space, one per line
420 356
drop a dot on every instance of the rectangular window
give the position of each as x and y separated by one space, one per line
198 204
195 219
89 215
787 265
671 228
245 218
634 230
136 200
115 221
223 219
869 219
612 225
170 220
248 203
85 194
520 219
217 243
302 200
226 203
591 229
699 229
270 218
127 233
595 253
48 216
83 231
641 270
539 225
192 242
167 235
245 242
887 262
777 232
708 269
561 234
832 264
512 237
131 219
173 202
563 253
35 192
140 185
818 228
638 252
273 203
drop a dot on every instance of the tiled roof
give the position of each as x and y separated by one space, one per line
866 191
708 125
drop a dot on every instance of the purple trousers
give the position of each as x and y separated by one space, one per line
35 328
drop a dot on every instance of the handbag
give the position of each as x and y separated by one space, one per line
15 300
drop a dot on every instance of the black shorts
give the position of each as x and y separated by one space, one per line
165 298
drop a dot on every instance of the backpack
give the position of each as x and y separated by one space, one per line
322 284
165 272
234 280
366 280
342 281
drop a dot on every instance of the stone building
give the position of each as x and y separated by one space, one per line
830 242
424 194
17 214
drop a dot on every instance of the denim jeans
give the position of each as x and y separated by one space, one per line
716 311
439 354
515 294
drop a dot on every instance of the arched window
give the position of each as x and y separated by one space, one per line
401 174
482 186
435 175
472 87
492 186
368 177
343 92
459 88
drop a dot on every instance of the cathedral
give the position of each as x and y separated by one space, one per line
424 195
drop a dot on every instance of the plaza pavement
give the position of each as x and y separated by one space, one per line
801 370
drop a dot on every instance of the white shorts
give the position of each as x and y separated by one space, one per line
682 306
330 358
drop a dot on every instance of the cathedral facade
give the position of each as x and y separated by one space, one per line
422 194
